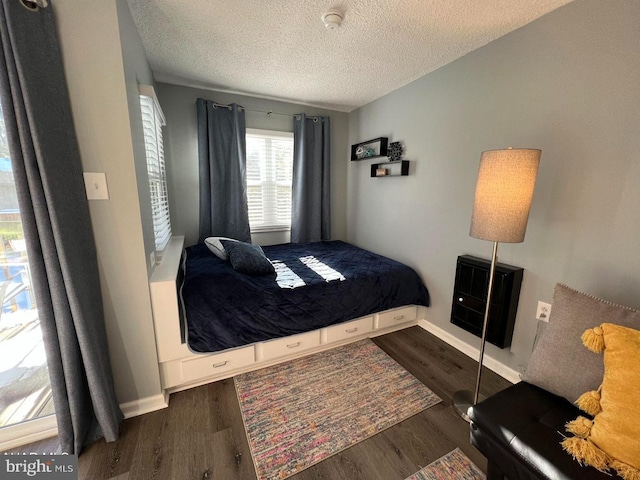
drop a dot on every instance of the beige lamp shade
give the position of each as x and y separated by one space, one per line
504 191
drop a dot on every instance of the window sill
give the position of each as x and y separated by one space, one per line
270 229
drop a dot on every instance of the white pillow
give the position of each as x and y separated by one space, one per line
214 244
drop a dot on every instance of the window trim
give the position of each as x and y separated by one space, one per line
273 228
269 133
277 135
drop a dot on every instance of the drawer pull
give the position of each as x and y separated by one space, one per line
399 317
293 345
351 330
460 299
221 364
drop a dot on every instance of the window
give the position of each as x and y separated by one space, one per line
152 123
269 178
25 391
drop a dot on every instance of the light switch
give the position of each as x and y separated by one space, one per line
96 186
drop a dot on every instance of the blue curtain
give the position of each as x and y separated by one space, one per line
311 194
55 217
223 183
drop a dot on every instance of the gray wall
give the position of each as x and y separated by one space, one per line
569 84
90 38
137 72
181 149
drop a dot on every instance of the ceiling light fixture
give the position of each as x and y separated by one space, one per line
332 20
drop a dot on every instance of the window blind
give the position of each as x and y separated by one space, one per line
269 179
152 123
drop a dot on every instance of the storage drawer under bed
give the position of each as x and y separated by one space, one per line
396 317
198 368
209 365
288 345
345 330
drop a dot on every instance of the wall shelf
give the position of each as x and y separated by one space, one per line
392 169
470 298
369 149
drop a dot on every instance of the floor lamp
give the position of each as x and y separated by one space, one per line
506 180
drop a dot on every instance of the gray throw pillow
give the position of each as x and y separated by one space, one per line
560 363
247 258
214 244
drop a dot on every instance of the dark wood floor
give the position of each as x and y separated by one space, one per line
201 434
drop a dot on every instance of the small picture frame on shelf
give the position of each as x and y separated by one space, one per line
390 169
369 149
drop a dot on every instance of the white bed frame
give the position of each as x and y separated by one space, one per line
181 369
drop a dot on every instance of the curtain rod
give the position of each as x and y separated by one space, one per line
268 113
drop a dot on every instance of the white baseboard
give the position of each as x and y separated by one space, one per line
494 365
145 405
28 432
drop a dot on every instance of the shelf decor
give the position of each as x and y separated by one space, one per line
394 152
370 149
391 169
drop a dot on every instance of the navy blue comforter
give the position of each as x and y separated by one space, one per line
315 285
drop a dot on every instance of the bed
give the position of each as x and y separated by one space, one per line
315 285
321 295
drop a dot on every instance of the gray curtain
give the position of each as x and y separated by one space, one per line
311 200
57 226
223 182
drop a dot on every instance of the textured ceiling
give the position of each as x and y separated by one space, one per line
280 48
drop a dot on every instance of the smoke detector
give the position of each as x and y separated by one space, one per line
332 20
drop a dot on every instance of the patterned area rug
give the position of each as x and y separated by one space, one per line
453 466
300 412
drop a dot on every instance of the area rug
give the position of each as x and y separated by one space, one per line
300 412
454 465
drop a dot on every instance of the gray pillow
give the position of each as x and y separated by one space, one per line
247 258
214 244
560 363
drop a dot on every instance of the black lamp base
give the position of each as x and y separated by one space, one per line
462 400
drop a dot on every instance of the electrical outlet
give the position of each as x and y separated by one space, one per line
543 311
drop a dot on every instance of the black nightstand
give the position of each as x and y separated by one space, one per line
470 295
